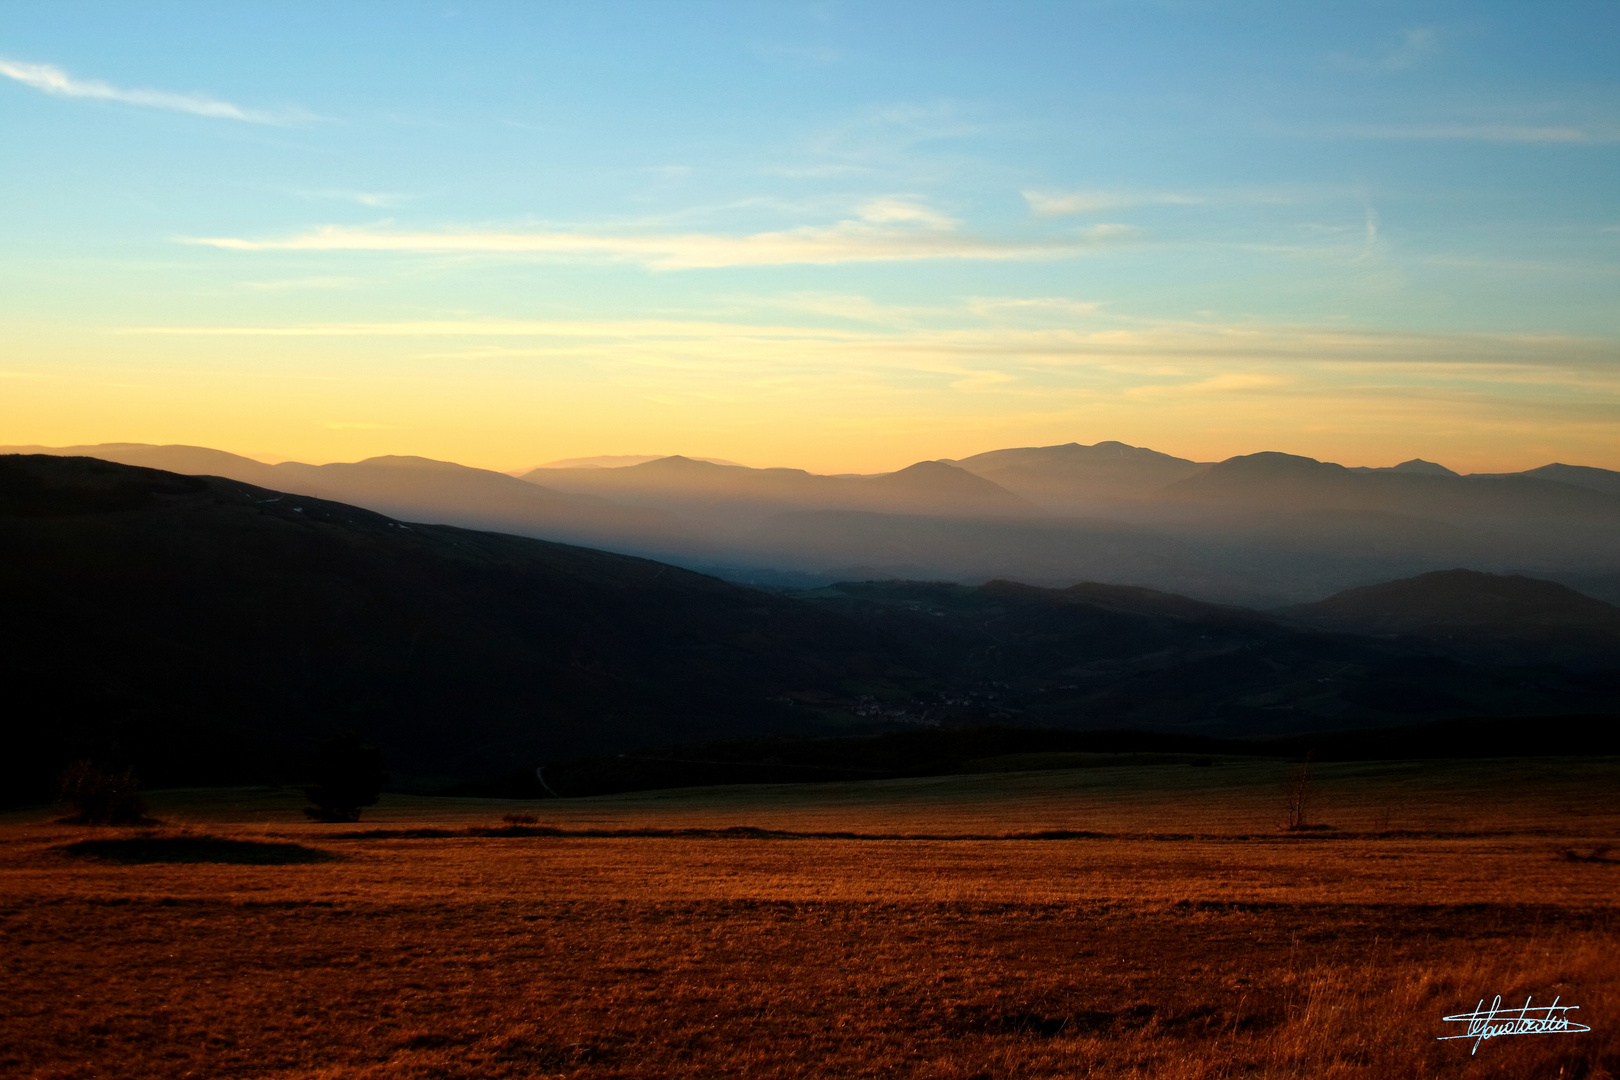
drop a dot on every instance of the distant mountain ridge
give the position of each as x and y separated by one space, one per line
1260 529
927 487
414 489
1289 483
1073 477
614 461
1605 480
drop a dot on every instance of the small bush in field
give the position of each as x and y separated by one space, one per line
102 797
520 819
347 775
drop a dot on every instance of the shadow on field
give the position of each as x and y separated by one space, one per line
195 849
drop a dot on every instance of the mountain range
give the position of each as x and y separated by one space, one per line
210 630
1264 529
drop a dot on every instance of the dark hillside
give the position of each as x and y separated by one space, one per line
1108 656
1507 616
951 751
207 629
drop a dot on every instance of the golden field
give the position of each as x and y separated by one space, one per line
1165 926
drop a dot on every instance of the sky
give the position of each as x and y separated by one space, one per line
842 237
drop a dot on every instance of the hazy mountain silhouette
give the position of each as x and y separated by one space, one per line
936 487
1078 479
207 630
1605 480
421 489
1416 466
613 461
1261 529
416 489
931 488
1513 521
190 460
1273 481
854 544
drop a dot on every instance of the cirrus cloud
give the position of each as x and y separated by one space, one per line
885 231
53 80
1062 203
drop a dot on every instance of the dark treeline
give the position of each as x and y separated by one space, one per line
896 755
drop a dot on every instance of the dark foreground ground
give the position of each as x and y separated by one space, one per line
1165 927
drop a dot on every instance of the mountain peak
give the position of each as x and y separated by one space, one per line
411 461
1423 468
939 486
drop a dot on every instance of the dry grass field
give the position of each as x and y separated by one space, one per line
1134 917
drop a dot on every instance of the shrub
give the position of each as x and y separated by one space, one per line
347 775
101 797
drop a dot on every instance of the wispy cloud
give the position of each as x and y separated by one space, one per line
863 309
1524 266
891 210
993 306
1257 377
819 55
285 284
1503 133
1369 234
821 171
378 199
1256 343
1415 44
1061 203
853 308
1408 51
886 230
53 80
1229 382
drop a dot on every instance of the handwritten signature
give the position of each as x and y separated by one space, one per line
1489 1023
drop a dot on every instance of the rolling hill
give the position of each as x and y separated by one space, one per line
1510 618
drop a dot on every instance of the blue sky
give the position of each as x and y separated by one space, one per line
835 236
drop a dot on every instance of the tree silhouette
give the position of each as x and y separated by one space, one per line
347 775
1297 795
